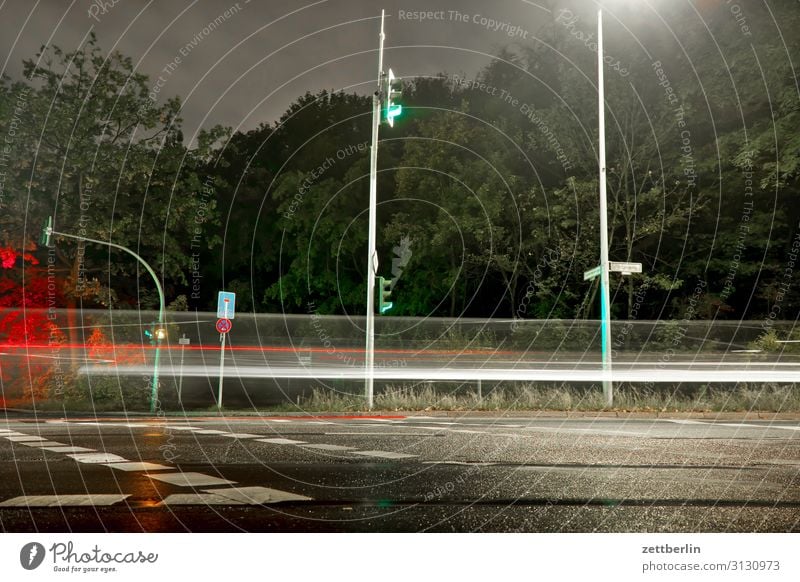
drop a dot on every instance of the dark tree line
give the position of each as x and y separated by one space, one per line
490 182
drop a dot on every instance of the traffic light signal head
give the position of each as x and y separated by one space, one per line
47 231
384 292
393 93
155 334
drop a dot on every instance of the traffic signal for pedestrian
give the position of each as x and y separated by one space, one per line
384 292
392 94
155 333
47 231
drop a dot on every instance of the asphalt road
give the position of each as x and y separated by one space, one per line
468 473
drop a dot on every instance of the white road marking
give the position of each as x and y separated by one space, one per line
10 434
24 438
189 479
384 454
405 434
198 499
277 420
596 431
329 447
64 500
682 421
68 449
465 463
181 427
281 441
240 435
41 444
467 431
760 426
257 495
94 458
137 466
209 431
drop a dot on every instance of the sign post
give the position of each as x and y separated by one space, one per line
625 268
183 341
592 273
226 305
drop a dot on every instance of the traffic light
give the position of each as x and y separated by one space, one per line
393 92
384 291
155 334
47 231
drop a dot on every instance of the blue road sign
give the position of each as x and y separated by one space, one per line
226 305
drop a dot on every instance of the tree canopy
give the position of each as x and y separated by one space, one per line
490 184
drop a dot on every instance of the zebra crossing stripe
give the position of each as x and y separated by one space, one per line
68 449
41 444
277 441
384 454
240 435
97 458
138 466
24 438
257 495
189 479
234 496
198 499
64 500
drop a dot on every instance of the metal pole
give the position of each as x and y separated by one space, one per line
605 301
154 389
180 378
221 370
372 256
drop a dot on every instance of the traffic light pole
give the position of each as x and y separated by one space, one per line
605 301
372 255
154 390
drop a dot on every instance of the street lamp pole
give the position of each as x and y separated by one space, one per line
372 255
605 301
154 391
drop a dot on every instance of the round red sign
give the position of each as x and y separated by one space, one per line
224 325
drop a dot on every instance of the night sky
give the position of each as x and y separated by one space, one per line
262 54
